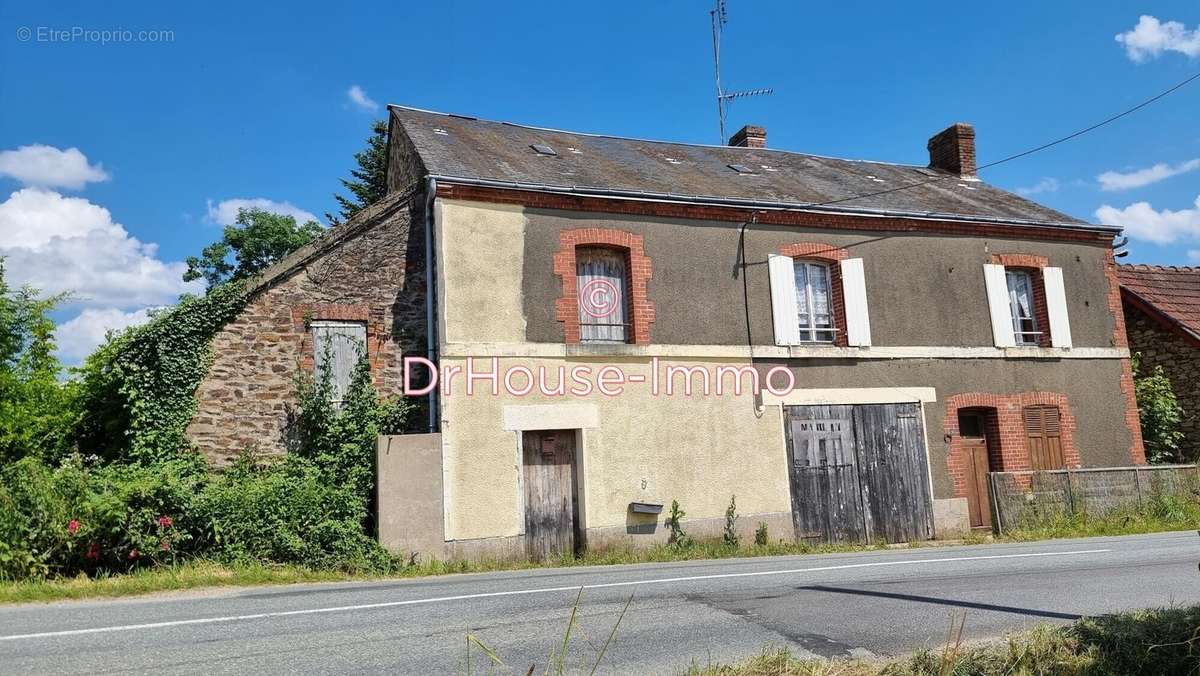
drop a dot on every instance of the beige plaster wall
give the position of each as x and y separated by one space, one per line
699 450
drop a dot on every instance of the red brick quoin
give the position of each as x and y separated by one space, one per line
303 315
1008 447
1033 264
566 307
825 253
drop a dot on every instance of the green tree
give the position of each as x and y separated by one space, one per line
255 240
368 182
1160 415
35 408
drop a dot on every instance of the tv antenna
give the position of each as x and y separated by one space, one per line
719 17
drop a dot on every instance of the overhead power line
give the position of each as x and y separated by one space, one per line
1024 153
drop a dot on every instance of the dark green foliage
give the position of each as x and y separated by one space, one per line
760 534
1160 415
256 240
341 441
368 182
678 537
36 412
78 519
287 512
730 536
138 390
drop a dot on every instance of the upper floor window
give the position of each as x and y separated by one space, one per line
337 347
814 302
602 281
1021 299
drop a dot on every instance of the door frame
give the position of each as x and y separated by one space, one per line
578 472
984 498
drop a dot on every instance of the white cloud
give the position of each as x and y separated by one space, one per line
1142 221
1113 180
1044 185
59 243
359 98
1151 37
78 337
48 167
225 212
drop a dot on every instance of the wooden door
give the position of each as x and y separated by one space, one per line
893 472
973 438
1043 429
551 513
826 499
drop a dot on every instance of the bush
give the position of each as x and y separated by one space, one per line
730 536
678 537
1160 414
72 519
286 512
761 538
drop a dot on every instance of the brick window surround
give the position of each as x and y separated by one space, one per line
825 253
1033 264
1008 446
304 315
566 307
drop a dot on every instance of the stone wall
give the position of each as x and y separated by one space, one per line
1180 360
369 269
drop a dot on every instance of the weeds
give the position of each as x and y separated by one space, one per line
678 537
730 535
760 534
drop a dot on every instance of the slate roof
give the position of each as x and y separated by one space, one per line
1174 292
500 153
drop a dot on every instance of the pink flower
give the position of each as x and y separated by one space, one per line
164 545
93 551
133 553
73 526
165 521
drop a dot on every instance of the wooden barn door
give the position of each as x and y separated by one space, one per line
826 499
894 472
551 523
858 473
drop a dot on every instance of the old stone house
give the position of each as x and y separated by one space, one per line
846 346
1162 318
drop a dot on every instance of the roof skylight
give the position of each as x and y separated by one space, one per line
741 168
542 149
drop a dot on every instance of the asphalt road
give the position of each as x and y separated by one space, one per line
882 602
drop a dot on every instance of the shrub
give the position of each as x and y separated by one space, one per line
1160 414
287 512
71 519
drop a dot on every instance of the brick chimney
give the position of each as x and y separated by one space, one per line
953 150
749 136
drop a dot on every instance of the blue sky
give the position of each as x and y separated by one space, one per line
243 102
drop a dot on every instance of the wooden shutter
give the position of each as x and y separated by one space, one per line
603 296
1056 307
1043 428
854 296
998 307
338 346
783 299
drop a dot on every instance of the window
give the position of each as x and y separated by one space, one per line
1020 305
337 347
1043 429
814 302
603 288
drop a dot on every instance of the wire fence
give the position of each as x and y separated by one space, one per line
1022 498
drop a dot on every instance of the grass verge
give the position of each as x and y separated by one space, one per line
1163 641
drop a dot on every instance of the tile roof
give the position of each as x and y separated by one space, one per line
1173 291
502 154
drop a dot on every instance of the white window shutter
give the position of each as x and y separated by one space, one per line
854 295
1056 307
997 293
783 299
